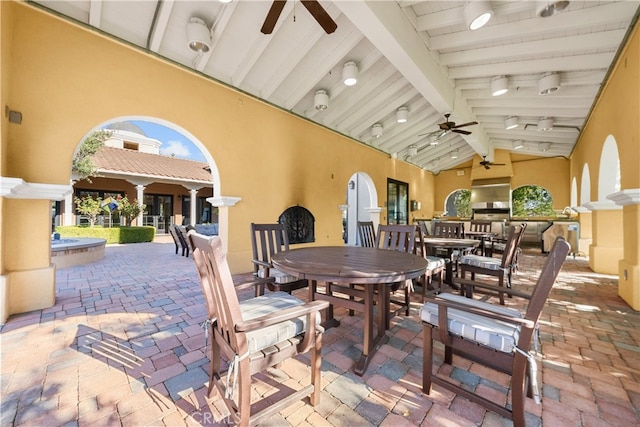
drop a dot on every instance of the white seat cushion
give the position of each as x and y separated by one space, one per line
434 263
486 262
277 275
270 303
498 335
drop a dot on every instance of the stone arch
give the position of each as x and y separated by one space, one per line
215 175
574 192
609 170
362 202
585 185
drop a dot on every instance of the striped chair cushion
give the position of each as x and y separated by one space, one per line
271 303
434 263
498 335
489 263
278 276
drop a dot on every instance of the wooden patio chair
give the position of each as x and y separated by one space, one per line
176 239
267 240
253 335
397 237
451 230
482 227
177 234
435 266
501 268
494 336
367 234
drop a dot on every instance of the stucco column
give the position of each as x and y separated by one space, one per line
237 259
374 213
607 231
68 208
192 206
140 196
629 265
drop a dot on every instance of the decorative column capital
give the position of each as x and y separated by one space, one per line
630 196
221 201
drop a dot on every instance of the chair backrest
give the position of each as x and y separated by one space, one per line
367 234
423 226
267 240
547 278
482 226
218 289
397 237
514 237
448 229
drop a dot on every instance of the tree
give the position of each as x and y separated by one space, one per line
129 211
531 200
463 203
83 164
89 207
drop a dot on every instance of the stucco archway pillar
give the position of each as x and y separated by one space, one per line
223 203
606 248
629 265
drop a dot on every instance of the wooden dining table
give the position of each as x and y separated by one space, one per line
338 269
449 245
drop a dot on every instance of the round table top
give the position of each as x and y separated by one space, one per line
350 264
446 242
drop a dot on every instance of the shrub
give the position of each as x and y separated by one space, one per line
112 235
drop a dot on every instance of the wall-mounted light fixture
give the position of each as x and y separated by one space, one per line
198 35
402 115
499 85
321 99
511 122
548 83
376 130
477 13
546 8
350 73
545 124
352 185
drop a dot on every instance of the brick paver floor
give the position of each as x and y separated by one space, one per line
123 346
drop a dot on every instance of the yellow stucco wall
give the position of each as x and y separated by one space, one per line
616 114
73 80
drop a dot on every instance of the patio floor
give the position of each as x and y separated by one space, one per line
123 346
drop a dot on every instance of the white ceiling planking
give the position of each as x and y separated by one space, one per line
411 53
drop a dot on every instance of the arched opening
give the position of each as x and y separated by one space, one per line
609 170
531 201
574 192
458 204
585 186
155 163
362 201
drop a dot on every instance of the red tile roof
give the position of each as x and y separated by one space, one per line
117 160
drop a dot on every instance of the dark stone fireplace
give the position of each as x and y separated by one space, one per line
299 223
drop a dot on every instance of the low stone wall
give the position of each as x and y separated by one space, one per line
76 251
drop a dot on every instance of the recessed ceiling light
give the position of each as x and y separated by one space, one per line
477 13
350 73
321 99
548 83
376 130
511 122
402 114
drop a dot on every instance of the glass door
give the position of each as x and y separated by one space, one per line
397 202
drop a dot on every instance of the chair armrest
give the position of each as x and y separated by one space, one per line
281 316
489 286
262 263
446 304
253 283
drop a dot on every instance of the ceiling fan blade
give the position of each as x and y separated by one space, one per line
272 16
464 132
317 11
465 124
487 166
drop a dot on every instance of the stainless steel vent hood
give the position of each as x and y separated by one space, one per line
491 194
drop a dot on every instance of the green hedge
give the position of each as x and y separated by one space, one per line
113 235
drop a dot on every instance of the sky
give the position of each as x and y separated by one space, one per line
173 143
